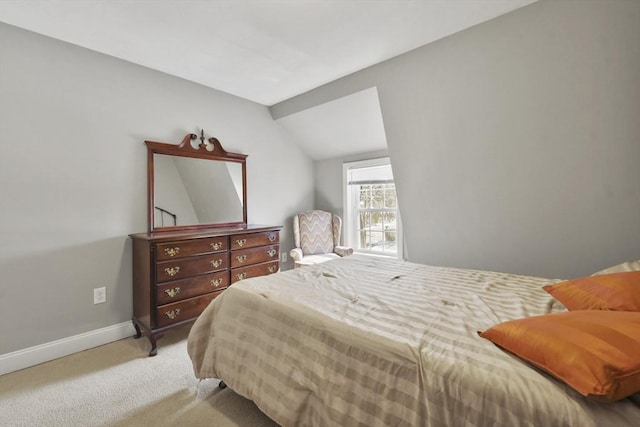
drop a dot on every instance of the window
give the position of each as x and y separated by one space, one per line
371 216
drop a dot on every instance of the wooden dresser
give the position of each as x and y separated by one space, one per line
177 274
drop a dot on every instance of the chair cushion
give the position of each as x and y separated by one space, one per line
316 259
316 232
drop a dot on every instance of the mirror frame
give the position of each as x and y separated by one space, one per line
209 150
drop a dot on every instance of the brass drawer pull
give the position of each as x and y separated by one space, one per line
272 268
241 242
216 263
241 276
172 314
216 245
272 237
172 292
172 271
271 252
241 258
216 282
172 251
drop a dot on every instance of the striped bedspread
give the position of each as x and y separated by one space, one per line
366 341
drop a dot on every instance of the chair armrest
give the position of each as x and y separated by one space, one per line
343 250
296 254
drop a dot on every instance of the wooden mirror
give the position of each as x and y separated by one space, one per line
195 185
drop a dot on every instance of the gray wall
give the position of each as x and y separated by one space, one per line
515 144
73 177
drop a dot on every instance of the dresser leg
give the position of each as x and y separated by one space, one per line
138 331
153 338
154 344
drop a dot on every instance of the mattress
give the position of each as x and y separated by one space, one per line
370 341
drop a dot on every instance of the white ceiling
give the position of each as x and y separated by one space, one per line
263 50
349 125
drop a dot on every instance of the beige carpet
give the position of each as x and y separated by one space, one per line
118 385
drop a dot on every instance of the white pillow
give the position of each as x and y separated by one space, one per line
620 268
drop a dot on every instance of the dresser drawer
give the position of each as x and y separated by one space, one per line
187 267
184 310
251 256
182 289
254 271
241 241
181 249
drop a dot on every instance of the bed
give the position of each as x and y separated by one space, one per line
370 341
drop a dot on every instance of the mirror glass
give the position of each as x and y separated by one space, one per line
190 191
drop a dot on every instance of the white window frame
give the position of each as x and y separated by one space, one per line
350 224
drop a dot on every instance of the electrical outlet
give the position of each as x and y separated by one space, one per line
100 295
283 257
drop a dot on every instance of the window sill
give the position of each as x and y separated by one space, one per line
394 256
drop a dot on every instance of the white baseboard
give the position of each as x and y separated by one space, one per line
31 356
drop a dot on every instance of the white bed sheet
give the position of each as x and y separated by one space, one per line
368 341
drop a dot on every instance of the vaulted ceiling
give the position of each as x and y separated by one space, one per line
263 50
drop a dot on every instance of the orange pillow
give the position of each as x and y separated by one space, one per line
596 352
617 291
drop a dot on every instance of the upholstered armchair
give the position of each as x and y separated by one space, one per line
316 235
